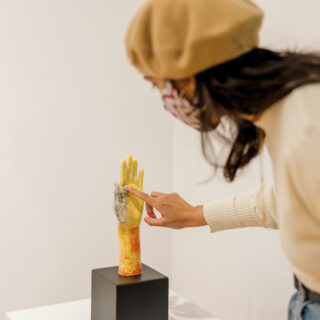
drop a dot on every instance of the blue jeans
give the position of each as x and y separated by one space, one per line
302 309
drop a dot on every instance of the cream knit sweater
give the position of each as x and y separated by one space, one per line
292 202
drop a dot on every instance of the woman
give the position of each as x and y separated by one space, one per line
204 58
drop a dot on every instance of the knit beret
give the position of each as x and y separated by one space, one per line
175 39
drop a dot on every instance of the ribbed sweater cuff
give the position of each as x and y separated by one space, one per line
230 213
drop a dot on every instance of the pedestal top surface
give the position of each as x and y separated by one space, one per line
111 274
179 309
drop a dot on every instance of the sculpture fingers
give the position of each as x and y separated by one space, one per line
135 169
140 185
130 171
123 173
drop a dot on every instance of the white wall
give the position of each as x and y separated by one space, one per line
237 274
71 108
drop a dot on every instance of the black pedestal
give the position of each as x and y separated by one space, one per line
142 297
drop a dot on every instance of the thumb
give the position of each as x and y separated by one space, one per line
156 222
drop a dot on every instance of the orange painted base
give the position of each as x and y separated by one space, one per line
130 252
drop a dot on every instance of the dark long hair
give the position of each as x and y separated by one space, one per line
248 85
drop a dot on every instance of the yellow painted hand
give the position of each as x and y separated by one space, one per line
128 209
127 206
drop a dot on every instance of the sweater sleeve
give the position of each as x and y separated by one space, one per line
251 209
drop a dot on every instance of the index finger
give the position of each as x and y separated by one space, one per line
142 195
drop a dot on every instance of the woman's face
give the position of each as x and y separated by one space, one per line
188 85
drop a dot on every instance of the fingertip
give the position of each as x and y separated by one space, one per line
132 191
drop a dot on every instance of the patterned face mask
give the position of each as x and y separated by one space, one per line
180 107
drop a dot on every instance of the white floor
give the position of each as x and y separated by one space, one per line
179 309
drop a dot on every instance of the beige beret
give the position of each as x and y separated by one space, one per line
176 39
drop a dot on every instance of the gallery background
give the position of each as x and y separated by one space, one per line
71 108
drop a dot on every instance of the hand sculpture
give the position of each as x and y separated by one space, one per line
128 209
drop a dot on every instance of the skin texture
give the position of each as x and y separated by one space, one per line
129 218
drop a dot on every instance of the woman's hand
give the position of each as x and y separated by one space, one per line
175 212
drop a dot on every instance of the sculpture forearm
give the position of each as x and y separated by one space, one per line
130 252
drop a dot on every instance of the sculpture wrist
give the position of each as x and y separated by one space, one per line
130 251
